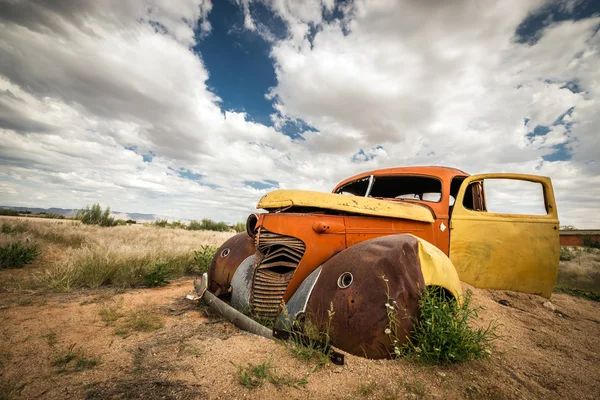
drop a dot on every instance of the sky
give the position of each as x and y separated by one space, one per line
197 108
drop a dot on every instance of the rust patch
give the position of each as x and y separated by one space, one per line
359 303
226 260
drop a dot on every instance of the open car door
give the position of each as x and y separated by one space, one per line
507 249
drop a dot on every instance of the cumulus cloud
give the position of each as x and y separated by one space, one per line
107 101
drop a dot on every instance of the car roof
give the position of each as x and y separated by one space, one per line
444 173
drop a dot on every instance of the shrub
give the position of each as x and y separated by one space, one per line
442 333
565 254
203 258
9 212
13 228
95 216
178 225
49 215
194 226
210 225
131 221
239 227
588 242
161 223
16 255
157 275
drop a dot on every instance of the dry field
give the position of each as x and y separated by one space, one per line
72 340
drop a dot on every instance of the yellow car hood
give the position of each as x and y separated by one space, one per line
353 204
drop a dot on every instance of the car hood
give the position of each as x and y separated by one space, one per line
352 204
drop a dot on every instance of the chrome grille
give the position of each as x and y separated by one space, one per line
277 259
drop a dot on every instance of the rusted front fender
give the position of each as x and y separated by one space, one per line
366 283
226 260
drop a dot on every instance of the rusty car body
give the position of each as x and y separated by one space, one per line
382 237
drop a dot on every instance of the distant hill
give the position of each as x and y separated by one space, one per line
69 212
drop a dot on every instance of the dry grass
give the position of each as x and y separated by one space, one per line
79 256
582 271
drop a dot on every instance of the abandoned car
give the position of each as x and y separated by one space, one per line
381 237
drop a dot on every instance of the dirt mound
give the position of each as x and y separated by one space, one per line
545 350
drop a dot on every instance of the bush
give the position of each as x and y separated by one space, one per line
161 223
95 216
49 215
203 258
210 225
239 227
194 226
16 255
588 242
9 212
442 333
13 228
565 254
157 275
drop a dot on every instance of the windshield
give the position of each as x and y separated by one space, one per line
396 187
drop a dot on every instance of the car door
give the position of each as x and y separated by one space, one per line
510 249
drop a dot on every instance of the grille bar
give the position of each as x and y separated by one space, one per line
277 260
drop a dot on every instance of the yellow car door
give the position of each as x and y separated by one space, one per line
510 250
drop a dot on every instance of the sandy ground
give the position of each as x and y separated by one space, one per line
542 353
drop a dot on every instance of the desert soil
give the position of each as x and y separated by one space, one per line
548 352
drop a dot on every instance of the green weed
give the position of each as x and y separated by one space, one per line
16 255
110 313
309 342
442 333
367 389
64 363
141 320
254 376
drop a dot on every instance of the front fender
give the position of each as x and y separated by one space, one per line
363 283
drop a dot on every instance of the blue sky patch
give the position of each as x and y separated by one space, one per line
562 153
530 30
240 70
364 156
148 157
264 184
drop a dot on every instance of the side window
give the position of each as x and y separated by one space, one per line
474 197
512 196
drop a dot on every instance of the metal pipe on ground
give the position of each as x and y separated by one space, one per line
231 314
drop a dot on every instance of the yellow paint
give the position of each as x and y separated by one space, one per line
354 204
506 251
438 269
